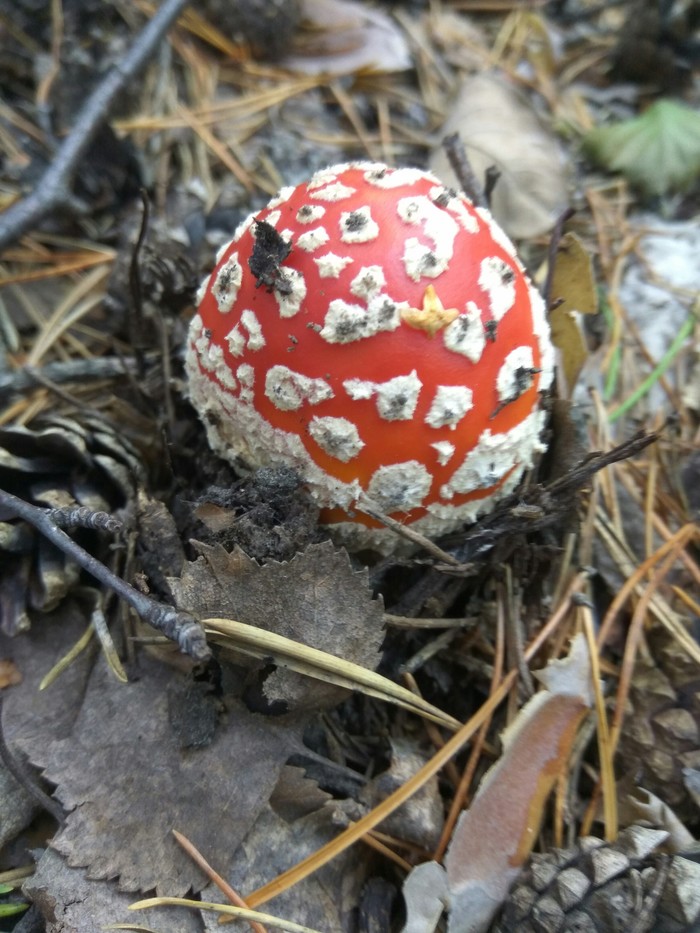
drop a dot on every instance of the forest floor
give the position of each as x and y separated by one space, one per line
314 783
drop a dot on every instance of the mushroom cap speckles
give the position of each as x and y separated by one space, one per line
335 191
358 226
337 436
400 486
247 333
346 322
497 279
310 213
311 240
450 404
466 334
288 390
397 398
444 450
396 352
330 265
289 301
439 227
368 282
227 283
516 374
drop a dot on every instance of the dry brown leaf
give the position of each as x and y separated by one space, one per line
342 36
499 127
299 821
127 781
420 819
494 837
316 599
573 286
69 902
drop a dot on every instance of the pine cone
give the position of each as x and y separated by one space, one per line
661 732
60 463
596 887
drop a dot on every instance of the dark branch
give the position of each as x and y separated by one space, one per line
26 780
53 189
461 166
26 378
180 627
536 507
552 251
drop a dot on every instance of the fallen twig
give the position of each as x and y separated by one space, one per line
105 367
53 189
538 507
180 627
26 780
459 160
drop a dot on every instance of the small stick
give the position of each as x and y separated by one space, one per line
26 378
53 189
135 318
215 877
80 516
554 242
180 627
26 780
459 160
491 180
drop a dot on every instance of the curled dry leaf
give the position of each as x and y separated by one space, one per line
342 36
494 837
499 128
573 292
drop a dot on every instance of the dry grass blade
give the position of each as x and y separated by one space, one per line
54 266
79 302
235 913
692 604
64 663
314 663
634 636
215 877
633 585
220 150
606 747
460 797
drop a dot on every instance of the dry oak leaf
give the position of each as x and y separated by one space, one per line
128 783
316 599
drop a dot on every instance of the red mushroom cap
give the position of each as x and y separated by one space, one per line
376 331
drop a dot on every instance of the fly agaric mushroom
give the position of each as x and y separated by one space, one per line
376 331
